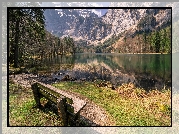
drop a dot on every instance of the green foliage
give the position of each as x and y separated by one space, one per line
67 45
26 29
156 41
161 40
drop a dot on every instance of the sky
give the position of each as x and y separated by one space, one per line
100 4
99 12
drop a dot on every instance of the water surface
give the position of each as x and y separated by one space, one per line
148 71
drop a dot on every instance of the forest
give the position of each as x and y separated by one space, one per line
29 42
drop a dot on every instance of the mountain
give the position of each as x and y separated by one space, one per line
87 25
80 24
151 33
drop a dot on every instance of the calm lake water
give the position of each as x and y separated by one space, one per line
148 71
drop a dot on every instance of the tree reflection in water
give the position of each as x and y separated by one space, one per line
148 71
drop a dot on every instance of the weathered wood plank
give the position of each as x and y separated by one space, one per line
77 103
62 110
48 95
68 105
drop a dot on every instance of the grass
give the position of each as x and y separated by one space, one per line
128 106
23 113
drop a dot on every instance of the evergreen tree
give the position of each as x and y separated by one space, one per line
26 30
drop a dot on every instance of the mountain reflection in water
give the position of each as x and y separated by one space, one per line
148 71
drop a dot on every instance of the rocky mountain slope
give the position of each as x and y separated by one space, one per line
86 25
80 24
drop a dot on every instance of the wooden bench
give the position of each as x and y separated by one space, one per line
68 107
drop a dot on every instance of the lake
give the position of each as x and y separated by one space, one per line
148 71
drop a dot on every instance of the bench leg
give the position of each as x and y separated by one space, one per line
36 95
77 116
62 110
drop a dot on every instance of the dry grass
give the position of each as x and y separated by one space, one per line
127 105
157 103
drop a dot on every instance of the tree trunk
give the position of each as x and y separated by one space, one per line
16 43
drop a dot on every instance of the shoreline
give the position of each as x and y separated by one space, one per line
143 53
125 53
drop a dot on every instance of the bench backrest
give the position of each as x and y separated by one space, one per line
53 96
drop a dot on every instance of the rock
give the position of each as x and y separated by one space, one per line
113 87
65 78
83 79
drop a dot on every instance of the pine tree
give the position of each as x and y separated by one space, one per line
26 30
